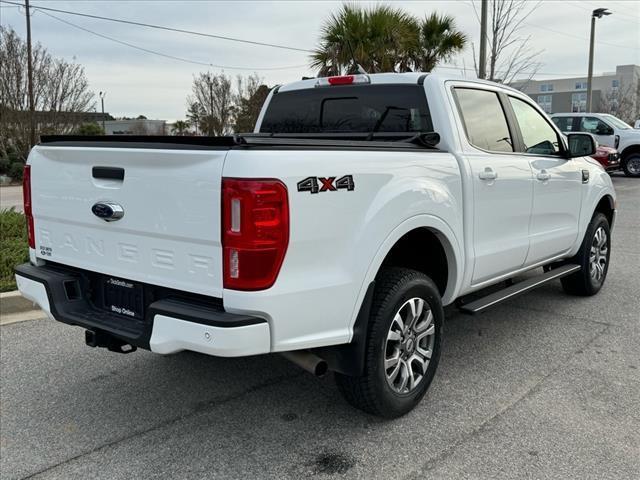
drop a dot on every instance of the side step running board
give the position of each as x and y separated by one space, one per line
500 296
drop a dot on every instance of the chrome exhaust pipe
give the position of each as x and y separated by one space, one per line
307 361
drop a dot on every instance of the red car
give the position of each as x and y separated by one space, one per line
608 157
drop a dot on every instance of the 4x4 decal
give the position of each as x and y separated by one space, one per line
326 184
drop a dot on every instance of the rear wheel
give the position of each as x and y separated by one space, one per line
403 345
593 257
631 165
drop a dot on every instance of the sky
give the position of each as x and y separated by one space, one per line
141 83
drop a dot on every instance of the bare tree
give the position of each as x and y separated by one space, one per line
61 93
623 102
510 52
214 94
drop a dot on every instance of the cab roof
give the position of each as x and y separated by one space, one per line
395 78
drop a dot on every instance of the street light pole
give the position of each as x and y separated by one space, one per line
597 13
102 95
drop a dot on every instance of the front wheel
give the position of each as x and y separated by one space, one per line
593 257
403 345
631 165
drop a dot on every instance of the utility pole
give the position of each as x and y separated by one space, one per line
597 13
482 64
102 95
32 107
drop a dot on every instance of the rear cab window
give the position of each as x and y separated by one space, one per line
399 108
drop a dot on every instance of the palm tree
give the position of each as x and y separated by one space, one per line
438 41
376 37
384 39
180 128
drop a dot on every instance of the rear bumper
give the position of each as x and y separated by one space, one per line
171 324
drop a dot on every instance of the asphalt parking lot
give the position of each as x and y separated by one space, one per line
545 386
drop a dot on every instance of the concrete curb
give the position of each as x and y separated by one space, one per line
13 302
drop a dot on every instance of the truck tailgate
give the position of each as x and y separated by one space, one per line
170 232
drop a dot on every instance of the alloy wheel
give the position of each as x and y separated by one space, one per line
409 345
598 255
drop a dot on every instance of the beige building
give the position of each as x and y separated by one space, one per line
570 94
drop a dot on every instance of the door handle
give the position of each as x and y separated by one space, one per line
488 174
543 175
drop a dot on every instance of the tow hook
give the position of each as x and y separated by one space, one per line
98 338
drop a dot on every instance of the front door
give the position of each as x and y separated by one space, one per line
604 133
502 186
557 185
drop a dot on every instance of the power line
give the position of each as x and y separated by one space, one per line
579 37
469 69
161 27
196 62
172 57
616 6
470 2
43 9
613 18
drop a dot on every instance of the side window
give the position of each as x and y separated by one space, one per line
538 136
565 124
594 126
484 119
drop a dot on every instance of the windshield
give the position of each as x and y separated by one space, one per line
617 122
349 109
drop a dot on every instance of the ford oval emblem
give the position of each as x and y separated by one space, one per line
108 211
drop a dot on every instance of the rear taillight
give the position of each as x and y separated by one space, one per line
28 212
255 232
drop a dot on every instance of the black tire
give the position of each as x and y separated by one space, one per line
631 165
583 282
371 391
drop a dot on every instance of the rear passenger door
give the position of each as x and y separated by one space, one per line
502 185
565 124
557 185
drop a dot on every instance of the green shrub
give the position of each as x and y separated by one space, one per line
14 249
5 164
89 129
15 171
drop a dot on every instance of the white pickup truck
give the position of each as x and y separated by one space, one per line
334 234
609 131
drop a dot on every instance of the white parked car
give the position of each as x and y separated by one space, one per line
609 131
334 234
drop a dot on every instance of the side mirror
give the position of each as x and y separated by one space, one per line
581 145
